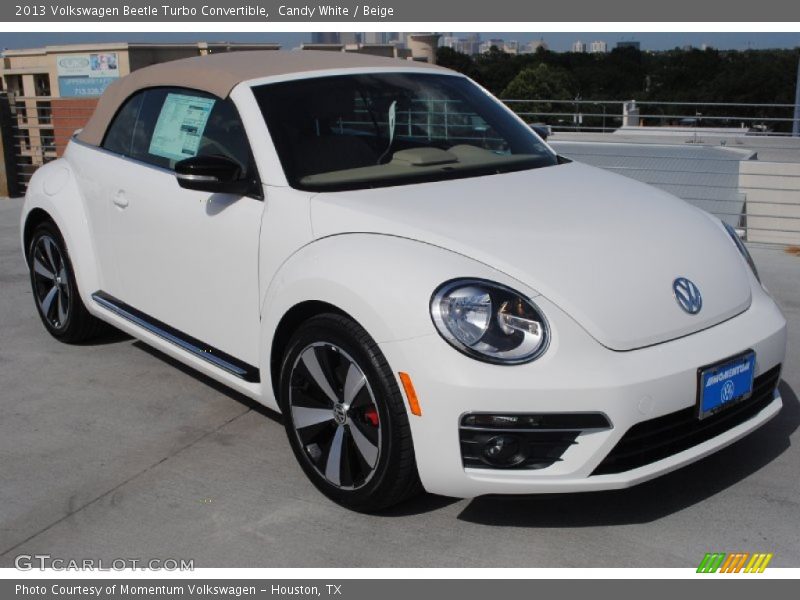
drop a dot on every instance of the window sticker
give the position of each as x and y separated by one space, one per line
180 126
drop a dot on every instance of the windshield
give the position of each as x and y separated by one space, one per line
375 130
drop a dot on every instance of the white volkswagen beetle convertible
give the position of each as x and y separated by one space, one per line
388 256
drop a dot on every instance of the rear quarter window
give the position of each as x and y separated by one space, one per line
120 132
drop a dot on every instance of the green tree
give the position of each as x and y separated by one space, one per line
542 82
496 69
452 59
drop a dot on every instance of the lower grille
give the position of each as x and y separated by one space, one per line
650 441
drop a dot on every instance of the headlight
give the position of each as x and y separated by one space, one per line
489 321
743 249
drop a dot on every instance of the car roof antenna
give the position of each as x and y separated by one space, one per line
392 120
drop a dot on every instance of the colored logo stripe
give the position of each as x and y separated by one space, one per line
758 563
734 563
711 562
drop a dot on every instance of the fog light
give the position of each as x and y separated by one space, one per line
504 451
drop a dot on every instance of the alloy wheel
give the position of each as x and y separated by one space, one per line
335 415
51 281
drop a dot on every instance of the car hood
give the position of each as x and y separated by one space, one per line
604 248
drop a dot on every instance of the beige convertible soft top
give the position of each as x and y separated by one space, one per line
218 74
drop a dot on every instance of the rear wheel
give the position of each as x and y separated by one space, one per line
54 288
345 417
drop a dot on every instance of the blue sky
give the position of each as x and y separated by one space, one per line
556 41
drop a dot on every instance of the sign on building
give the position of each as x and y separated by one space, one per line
82 75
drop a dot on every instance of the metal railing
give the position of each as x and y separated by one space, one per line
35 131
608 115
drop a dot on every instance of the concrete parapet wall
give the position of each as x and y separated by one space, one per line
771 188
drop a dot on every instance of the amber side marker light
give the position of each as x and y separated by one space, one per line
411 394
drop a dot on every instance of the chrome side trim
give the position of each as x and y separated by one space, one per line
216 357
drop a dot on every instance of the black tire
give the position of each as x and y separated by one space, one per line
64 315
366 481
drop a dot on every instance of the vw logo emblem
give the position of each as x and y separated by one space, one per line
727 391
687 294
339 413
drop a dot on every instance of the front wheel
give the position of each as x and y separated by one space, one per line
345 417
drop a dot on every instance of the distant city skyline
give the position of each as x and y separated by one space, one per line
559 42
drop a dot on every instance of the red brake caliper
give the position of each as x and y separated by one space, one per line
371 415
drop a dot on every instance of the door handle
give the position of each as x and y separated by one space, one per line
120 199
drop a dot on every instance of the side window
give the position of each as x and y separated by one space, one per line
175 124
120 132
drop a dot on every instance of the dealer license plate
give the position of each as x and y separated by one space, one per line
724 384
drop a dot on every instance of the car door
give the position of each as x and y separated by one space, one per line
188 260
98 172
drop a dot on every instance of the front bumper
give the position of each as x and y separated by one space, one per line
577 374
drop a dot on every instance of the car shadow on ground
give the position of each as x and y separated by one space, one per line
212 383
107 335
640 504
649 501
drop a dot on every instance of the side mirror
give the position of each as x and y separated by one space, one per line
215 174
